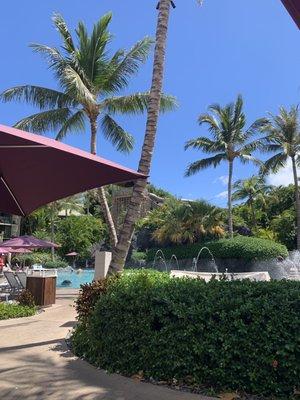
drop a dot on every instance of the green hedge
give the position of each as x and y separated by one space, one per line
238 335
241 247
8 311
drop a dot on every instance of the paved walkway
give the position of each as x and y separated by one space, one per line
35 363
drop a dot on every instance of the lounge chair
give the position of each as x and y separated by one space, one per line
15 286
22 277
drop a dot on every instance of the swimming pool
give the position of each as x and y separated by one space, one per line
76 278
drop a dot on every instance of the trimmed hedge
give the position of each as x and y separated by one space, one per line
238 335
8 311
240 247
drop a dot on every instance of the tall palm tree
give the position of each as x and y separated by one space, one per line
283 139
120 251
89 81
251 189
230 141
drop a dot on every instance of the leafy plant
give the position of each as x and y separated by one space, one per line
8 311
241 247
55 264
25 298
237 335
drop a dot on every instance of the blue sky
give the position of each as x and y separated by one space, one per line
214 52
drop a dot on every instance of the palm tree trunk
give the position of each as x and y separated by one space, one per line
101 191
297 200
230 224
121 250
253 213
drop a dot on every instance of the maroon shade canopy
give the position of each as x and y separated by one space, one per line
7 250
35 171
293 7
28 242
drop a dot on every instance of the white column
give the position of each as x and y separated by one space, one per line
102 261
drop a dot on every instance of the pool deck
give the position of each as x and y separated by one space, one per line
36 363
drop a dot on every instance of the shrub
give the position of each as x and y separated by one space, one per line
36 257
238 335
247 248
25 298
88 296
8 311
56 264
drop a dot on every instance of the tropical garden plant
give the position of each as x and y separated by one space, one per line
90 81
230 141
283 139
252 190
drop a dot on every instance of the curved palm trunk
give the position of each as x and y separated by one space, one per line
121 250
297 200
230 224
101 191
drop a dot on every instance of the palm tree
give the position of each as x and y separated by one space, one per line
230 141
89 81
283 139
251 189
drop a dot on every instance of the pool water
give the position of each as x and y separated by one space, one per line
76 278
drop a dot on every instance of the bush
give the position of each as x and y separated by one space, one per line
55 264
8 311
240 247
36 257
25 298
238 335
88 296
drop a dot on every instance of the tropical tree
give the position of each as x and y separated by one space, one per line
252 190
90 81
120 251
283 139
230 141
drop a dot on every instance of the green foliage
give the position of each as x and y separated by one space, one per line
284 226
241 247
55 264
138 256
8 311
79 234
25 298
88 296
238 335
36 257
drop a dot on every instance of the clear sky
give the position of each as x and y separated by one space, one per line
214 52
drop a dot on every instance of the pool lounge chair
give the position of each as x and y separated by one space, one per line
14 284
22 277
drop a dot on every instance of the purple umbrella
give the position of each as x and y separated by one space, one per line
73 254
28 242
293 7
35 171
7 250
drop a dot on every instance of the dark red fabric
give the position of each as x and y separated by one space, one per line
28 242
293 7
39 175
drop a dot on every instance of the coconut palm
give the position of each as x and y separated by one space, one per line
252 189
283 139
230 141
89 81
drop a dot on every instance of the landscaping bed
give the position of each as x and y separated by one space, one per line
223 336
14 310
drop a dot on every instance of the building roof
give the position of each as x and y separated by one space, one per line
293 7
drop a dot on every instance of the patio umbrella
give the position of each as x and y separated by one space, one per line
293 7
35 171
74 255
7 250
28 242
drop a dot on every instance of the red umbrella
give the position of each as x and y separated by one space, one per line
293 7
7 250
35 171
28 242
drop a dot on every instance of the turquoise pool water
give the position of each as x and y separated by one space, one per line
76 278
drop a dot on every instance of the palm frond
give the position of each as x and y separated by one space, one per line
205 144
50 120
123 66
199 165
136 104
122 140
40 97
66 36
75 123
274 164
246 158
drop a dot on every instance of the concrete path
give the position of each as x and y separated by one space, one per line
35 363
